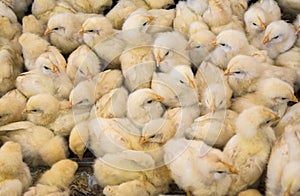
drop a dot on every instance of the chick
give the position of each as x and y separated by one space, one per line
13 167
16 102
56 180
10 69
176 87
297 26
162 21
197 6
265 95
271 9
200 44
229 44
122 10
279 37
52 59
30 24
239 8
133 187
197 26
244 72
39 145
78 139
46 110
290 179
184 17
249 149
215 129
209 170
11 187
64 35
83 64
289 7
250 192
97 7
284 152
99 35
144 105
112 104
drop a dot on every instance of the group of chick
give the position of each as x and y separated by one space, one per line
197 95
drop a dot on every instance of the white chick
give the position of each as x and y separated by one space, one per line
279 37
53 60
120 12
289 118
272 93
112 104
185 16
162 21
197 26
46 110
239 8
90 6
160 4
200 44
12 165
244 72
271 9
144 105
111 135
9 70
197 6
11 187
39 145
290 179
229 44
215 129
16 102
284 151
99 35
176 87
63 29
209 171
249 149
289 7
56 180
78 139
43 10
83 64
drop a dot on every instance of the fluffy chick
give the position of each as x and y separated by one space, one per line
90 6
11 187
177 87
271 92
209 171
78 139
39 145
279 37
13 167
56 180
249 149
16 102
160 5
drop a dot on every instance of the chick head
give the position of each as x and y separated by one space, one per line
58 24
290 180
11 148
139 20
160 4
42 109
255 19
48 65
183 76
98 26
277 32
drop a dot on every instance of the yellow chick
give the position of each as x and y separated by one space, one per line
112 104
30 24
11 187
160 4
97 7
249 149
197 26
209 170
39 145
177 87
83 64
16 102
279 37
250 192
78 139
13 167
56 180
120 12
239 8
133 187
46 110
99 35
144 105
162 21
215 129
272 93
198 6
271 9
185 16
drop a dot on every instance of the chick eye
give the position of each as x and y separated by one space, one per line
90 31
45 67
254 24
268 121
198 46
167 53
149 101
152 136
181 81
276 37
145 23
237 72
220 172
56 28
284 98
35 110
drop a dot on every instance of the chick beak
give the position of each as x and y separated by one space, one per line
214 43
81 31
25 111
47 31
266 40
191 83
287 192
158 98
143 140
212 108
294 98
262 24
89 75
298 30
80 156
70 105
151 18
188 47
55 69
231 168
227 72
158 60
